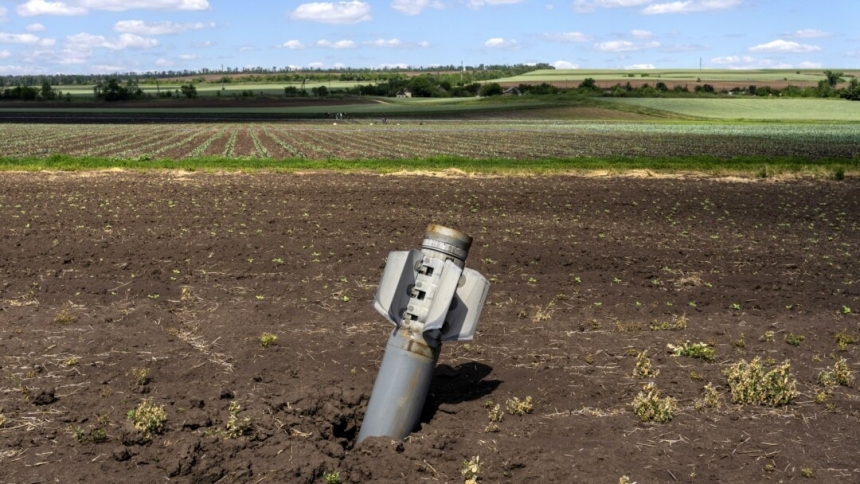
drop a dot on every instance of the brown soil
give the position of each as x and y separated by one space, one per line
105 274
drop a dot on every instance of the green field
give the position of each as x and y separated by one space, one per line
691 75
751 108
210 89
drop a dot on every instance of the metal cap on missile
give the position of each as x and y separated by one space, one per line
447 241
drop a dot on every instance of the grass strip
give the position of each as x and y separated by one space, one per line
756 166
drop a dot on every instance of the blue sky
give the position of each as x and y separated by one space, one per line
105 36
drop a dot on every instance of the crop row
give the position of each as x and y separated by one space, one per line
409 140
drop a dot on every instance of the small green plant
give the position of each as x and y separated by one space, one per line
648 405
515 406
702 351
820 397
750 384
625 480
72 361
711 398
807 472
794 339
331 477
846 310
470 470
235 426
767 337
736 306
840 374
148 418
643 367
267 339
65 317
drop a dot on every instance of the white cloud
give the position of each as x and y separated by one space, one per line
689 6
292 45
316 65
42 7
732 59
591 5
639 67
124 41
5 54
560 64
122 5
158 28
481 3
163 63
28 39
810 65
423 43
340 44
384 43
809 34
393 66
4 14
567 37
35 28
624 46
106 69
500 43
333 13
203 44
81 7
17 70
187 57
414 7
641 34
785 46
62 57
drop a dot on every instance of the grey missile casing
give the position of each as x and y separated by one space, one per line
407 369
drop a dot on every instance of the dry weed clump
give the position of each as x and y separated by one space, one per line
515 406
711 398
844 339
750 384
148 418
471 469
139 377
65 317
643 367
678 323
235 426
2 420
648 405
495 415
839 375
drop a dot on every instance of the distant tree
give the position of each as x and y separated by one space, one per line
852 92
661 86
422 86
588 83
491 89
189 90
320 91
833 78
47 92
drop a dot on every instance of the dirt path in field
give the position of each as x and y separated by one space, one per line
120 288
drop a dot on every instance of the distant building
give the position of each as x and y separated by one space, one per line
404 93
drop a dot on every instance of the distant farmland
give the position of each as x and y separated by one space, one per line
717 77
751 108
